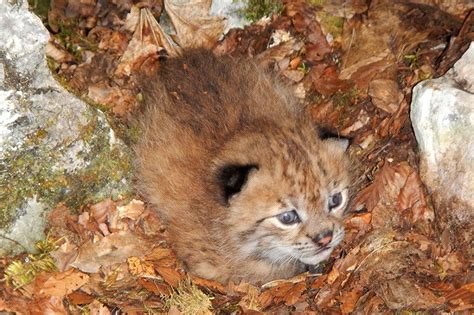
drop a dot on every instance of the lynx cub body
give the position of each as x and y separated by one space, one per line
246 187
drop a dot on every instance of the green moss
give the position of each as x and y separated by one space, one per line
72 40
188 299
35 171
20 273
331 24
317 2
40 8
254 10
346 98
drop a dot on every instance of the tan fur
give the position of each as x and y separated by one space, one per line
205 112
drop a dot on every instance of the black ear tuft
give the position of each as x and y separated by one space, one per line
329 134
232 178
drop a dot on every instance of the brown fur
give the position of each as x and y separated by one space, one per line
204 113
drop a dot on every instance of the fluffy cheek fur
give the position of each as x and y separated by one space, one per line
253 225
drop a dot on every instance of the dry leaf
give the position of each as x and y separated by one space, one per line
148 39
65 255
349 300
385 94
100 211
97 308
412 196
170 275
464 294
295 294
213 285
405 293
79 297
195 28
132 211
109 250
137 267
64 283
154 286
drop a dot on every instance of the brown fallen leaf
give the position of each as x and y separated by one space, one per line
102 210
137 267
385 94
412 197
158 288
148 39
63 283
295 294
404 292
98 308
133 210
79 297
464 294
170 275
210 284
109 250
381 196
195 28
325 79
349 300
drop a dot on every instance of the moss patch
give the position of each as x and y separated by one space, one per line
34 170
254 10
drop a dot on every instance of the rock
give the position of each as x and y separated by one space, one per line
53 147
442 114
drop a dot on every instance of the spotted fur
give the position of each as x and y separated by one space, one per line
204 114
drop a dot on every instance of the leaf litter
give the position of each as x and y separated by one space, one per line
353 67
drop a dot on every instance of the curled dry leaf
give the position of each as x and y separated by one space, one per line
195 28
148 39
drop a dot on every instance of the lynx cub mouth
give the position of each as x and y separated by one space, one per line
247 187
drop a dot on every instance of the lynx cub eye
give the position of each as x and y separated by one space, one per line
335 201
289 217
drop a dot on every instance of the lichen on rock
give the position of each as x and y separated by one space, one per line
53 147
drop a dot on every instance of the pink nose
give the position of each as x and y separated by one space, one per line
324 238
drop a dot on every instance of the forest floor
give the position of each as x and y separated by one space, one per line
353 68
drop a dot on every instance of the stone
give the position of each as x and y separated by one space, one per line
54 148
442 114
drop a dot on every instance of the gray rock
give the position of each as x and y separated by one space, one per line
442 114
53 147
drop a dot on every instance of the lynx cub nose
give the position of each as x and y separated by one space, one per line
323 238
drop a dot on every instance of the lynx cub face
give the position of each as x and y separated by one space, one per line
285 200
246 187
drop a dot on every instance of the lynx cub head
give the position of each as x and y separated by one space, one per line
285 196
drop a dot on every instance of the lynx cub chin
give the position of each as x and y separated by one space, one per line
246 186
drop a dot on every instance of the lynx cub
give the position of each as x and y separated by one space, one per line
246 187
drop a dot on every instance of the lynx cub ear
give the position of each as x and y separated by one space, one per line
232 178
332 138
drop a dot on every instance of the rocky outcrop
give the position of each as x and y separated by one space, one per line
442 114
54 148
